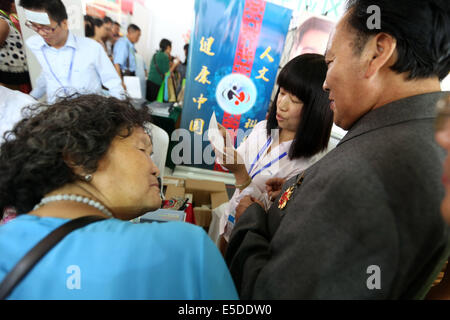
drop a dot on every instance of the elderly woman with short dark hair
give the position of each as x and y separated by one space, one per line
91 156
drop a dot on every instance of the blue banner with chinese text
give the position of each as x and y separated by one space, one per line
234 55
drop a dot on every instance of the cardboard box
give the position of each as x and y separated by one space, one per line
173 191
203 216
206 195
177 182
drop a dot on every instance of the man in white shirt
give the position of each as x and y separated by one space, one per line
69 63
11 105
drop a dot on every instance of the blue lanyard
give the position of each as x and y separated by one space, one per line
259 156
51 70
269 164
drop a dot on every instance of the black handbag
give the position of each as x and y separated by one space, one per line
21 269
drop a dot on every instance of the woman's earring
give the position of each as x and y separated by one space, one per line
88 177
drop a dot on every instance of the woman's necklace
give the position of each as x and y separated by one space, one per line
289 191
76 198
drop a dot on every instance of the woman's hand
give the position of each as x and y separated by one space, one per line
231 158
245 202
274 186
233 162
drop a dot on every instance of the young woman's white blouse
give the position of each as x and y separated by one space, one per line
283 168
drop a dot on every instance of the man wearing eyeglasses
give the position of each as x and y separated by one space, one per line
70 64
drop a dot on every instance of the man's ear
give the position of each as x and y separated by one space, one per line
64 25
380 53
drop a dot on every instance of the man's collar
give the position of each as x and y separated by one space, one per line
417 107
71 41
129 42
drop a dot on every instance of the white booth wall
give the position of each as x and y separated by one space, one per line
170 19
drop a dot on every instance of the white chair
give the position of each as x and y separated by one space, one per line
160 141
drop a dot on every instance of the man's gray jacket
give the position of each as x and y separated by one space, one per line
364 224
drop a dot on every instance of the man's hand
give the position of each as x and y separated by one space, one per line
274 186
245 202
119 71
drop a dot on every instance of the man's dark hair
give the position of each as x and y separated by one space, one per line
89 26
164 43
117 24
107 19
89 30
34 156
303 77
54 8
5 5
97 22
133 27
421 28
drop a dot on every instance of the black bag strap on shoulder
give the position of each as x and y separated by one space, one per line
21 269
156 66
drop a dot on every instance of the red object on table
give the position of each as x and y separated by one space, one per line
9 213
190 217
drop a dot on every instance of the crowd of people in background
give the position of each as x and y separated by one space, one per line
163 69
119 48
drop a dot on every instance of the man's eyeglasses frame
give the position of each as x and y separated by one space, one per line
37 28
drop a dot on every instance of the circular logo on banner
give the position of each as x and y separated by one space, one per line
236 94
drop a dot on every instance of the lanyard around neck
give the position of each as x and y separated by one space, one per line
269 164
260 153
258 156
54 75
